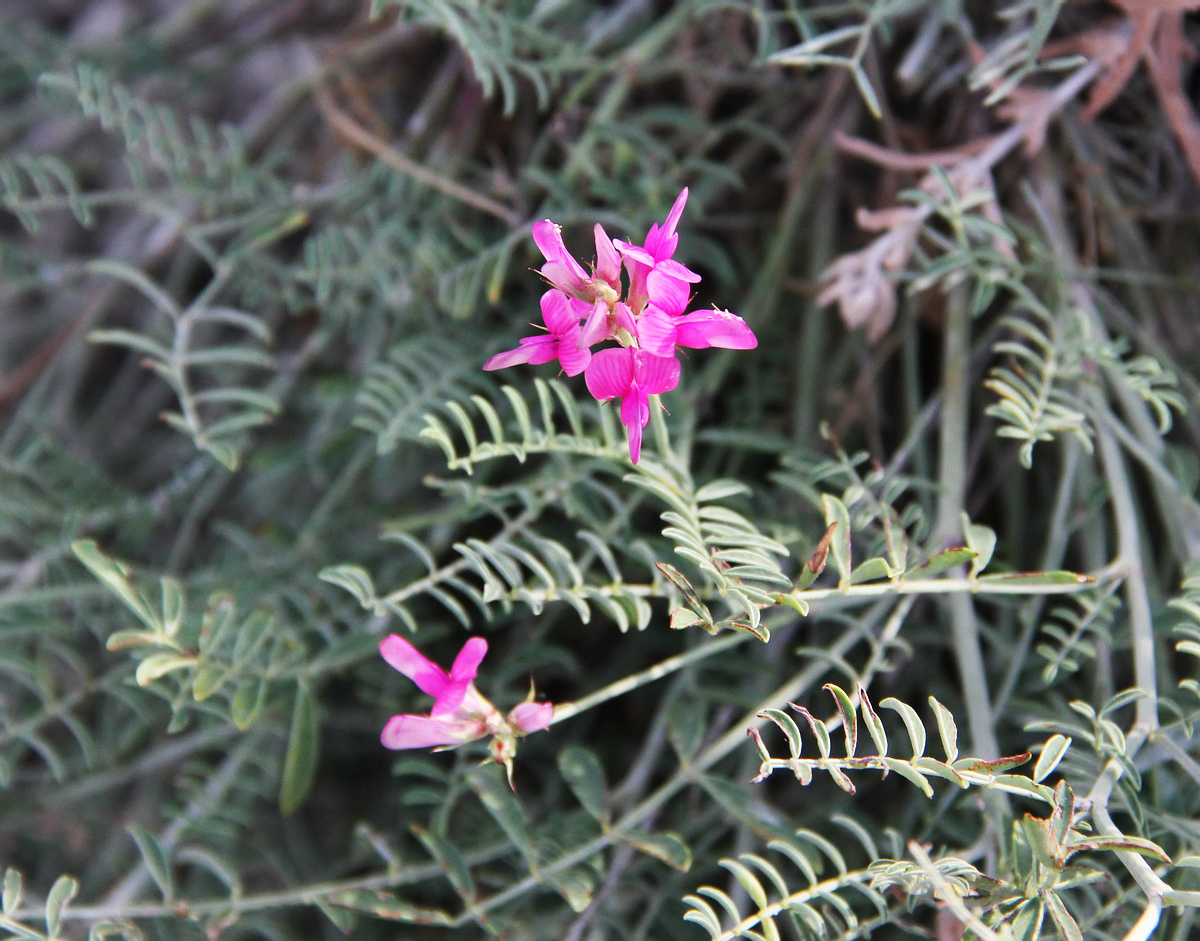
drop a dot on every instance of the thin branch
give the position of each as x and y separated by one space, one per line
356 134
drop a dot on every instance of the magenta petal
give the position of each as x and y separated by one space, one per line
543 349
675 269
595 328
462 673
557 313
608 261
717 328
635 413
656 374
531 716
509 358
635 442
667 292
625 320
532 350
409 731
610 373
635 409
676 211
660 243
634 252
560 267
403 656
561 275
656 332
451 698
572 353
548 238
466 664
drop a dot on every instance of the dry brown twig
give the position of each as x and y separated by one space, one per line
1158 38
861 282
1153 30
357 135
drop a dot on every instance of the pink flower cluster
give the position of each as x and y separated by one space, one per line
460 713
581 310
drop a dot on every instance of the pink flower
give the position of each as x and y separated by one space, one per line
568 276
561 316
632 375
531 716
649 323
654 275
460 713
660 333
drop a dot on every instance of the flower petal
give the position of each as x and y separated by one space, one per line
403 656
529 717
661 241
532 350
635 442
548 238
451 698
672 219
718 328
656 374
560 269
561 276
635 409
625 320
509 358
466 664
634 252
656 332
668 293
557 313
595 328
543 349
409 731
610 373
572 353
608 261
678 270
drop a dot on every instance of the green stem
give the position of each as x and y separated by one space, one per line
1129 554
1146 878
569 710
735 737
952 477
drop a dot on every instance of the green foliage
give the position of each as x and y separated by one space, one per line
206 162
413 378
553 424
1037 398
1041 850
1056 364
964 772
1073 632
824 904
506 48
28 181
252 264
732 555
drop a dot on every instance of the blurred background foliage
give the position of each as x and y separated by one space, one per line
252 256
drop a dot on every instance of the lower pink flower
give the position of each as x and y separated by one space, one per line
460 713
632 375
563 342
